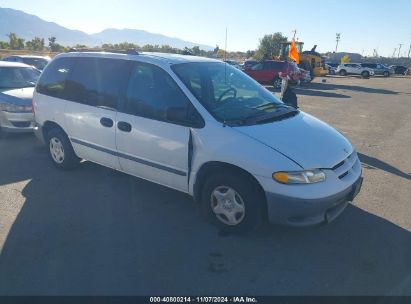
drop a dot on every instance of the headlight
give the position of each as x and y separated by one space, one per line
7 107
300 177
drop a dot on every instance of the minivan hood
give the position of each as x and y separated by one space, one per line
305 139
21 96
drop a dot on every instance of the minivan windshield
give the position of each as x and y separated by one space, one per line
230 95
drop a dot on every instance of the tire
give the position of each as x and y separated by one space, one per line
365 74
233 202
343 73
386 74
60 150
277 82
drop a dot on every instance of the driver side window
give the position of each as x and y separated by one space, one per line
153 94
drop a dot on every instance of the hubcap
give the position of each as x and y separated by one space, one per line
227 205
56 150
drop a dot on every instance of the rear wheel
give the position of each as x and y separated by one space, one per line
60 150
343 73
233 202
365 74
386 74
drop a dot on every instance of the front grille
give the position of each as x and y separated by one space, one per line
21 124
343 168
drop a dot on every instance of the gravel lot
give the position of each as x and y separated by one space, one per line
93 231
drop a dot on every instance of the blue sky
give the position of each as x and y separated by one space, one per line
363 24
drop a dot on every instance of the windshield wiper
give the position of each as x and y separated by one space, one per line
281 116
273 116
270 105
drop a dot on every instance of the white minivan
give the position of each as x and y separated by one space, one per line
199 126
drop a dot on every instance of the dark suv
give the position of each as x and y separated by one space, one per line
379 69
268 72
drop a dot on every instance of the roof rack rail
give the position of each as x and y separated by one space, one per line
128 51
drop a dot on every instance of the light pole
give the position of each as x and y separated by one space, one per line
409 50
337 37
399 50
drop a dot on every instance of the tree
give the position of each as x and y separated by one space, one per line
127 46
221 53
36 44
15 42
54 46
270 46
250 54
80 46
196 51
4 45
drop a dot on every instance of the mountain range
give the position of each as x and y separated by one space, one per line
28 26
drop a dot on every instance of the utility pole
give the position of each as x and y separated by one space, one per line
409 50
399 50
295 32
337 37
393 54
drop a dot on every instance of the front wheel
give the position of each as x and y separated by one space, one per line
343 73
365 74
61 151
233 202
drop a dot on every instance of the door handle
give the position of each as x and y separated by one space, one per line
124 126
106 122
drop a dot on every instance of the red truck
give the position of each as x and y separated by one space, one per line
267 72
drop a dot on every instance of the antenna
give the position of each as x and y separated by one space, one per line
225 51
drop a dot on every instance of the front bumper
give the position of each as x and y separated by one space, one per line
16 122
293 211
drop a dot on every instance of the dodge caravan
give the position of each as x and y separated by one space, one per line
199 126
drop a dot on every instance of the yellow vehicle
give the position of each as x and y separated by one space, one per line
309 60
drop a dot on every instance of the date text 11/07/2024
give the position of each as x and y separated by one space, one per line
203 300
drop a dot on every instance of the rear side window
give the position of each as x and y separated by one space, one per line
97 81
53 80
